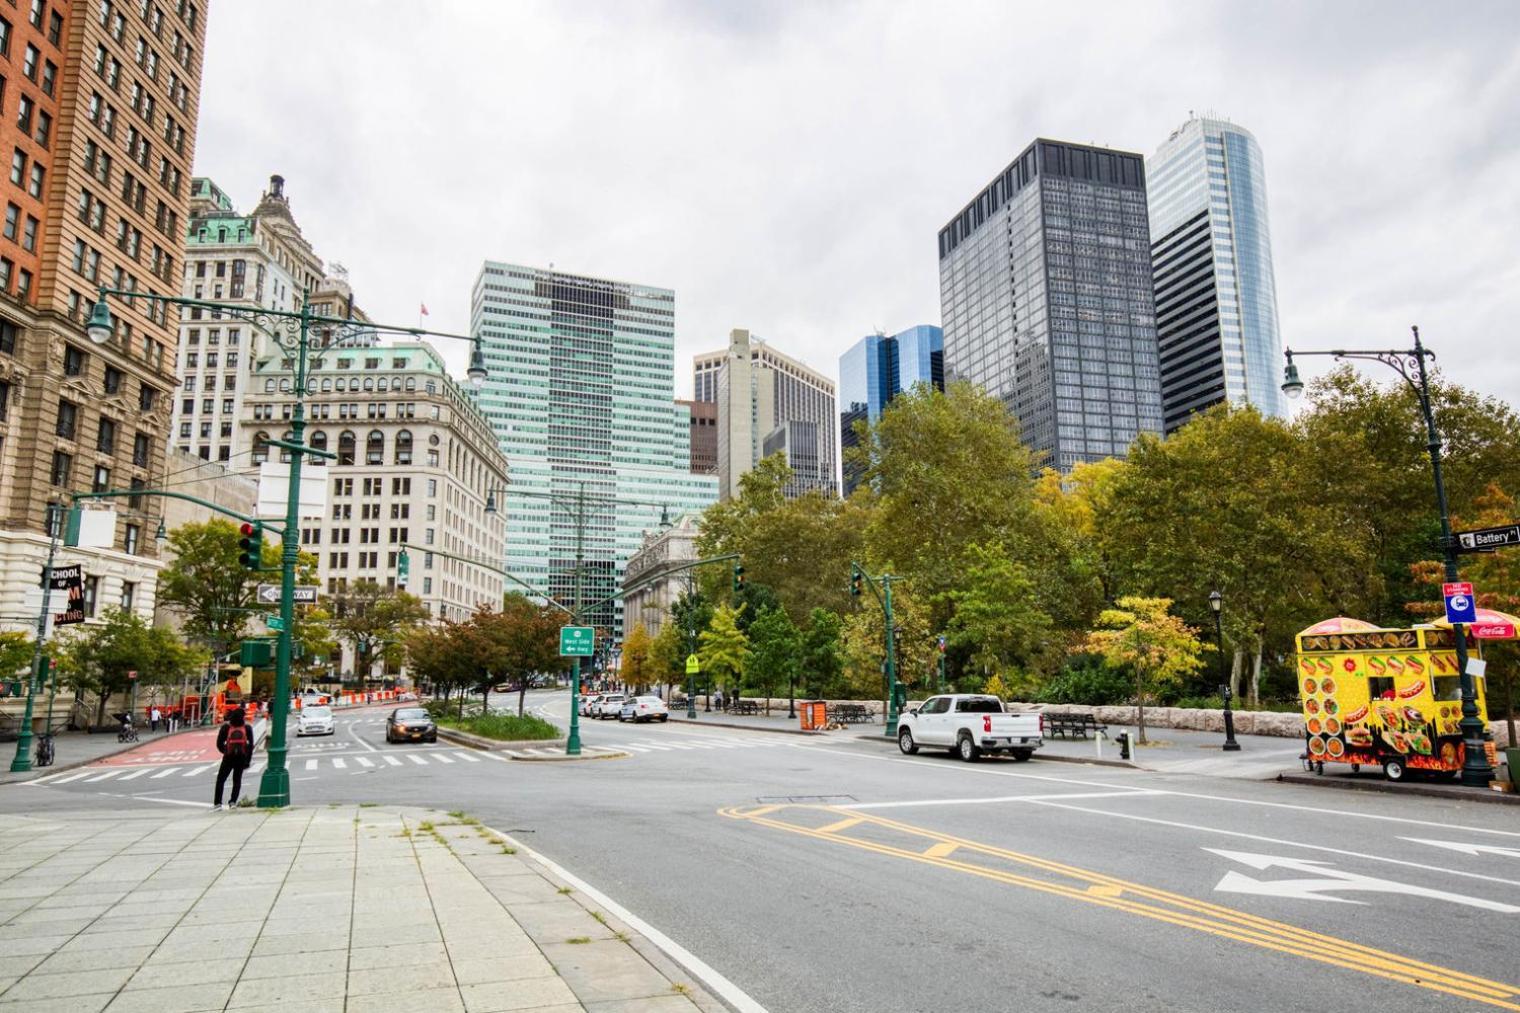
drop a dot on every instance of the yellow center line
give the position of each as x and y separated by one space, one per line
1107 891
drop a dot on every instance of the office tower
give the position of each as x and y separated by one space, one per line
581 396
876 369
704 436
1045 290
759 392
417 464
1216 299
256 261
99 126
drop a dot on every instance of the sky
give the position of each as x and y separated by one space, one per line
786 167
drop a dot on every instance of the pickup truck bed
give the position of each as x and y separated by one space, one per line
970 725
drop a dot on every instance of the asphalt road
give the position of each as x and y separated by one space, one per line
837 875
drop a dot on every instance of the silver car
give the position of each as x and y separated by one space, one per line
608 705
315 721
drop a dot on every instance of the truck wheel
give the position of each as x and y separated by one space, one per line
967 750
1023 755
905 742
1394 770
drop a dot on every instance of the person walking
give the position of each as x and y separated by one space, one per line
234 740
154 717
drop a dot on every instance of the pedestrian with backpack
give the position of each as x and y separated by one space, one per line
234 740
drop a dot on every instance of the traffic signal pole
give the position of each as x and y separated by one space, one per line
858 575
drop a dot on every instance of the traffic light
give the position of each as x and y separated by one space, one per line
251 545
403 568
738 577
855 578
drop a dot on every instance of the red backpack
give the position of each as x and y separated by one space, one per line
237 740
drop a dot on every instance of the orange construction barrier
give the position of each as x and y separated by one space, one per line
814 714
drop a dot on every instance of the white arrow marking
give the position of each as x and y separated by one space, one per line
1467 849
1330 879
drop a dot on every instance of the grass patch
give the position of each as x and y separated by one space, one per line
565 889
599 917
502 727
368 805
579 940
426 826
456 814
507 849
680 988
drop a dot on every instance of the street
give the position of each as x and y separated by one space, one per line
833 873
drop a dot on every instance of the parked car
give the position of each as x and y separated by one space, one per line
588 704
410 724
608 705
315 721
644 708
970 725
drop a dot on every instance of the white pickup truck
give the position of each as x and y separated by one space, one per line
970 725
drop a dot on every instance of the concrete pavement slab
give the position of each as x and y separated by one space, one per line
524 994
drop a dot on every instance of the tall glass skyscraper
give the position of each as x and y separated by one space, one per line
1045 291
876 369
581 395
1216 299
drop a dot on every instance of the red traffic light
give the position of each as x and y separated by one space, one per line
245 529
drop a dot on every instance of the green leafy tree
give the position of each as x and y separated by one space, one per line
1141 634
666 662
100 657
822 654
775 645
376 623
691 613
724 654
864 641
15 655
206 585
998 618
510 645
443 658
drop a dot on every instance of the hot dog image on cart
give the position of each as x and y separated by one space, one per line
1384 698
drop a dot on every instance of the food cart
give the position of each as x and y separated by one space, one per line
1381 697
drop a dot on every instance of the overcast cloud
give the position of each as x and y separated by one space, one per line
786 166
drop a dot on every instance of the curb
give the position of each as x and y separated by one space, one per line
689 723
1450 793
58 768
571 759
494 745
1038 755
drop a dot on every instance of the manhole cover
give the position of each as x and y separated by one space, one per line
804 799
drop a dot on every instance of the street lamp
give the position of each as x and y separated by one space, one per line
1410 364
302 336
1216 604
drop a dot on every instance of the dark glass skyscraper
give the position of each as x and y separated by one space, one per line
1045 290
876 369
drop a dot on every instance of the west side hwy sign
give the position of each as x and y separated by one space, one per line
1488 539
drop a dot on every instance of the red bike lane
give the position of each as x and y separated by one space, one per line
197 746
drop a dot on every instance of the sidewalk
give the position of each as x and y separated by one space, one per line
344 909
1183 751
777 722
74 749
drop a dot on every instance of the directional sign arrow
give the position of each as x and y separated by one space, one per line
1330 879
1467 849
269 594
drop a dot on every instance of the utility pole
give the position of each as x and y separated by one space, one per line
573 743
23 760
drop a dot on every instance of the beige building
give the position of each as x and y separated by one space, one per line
769 402
657 588
109 173
416 462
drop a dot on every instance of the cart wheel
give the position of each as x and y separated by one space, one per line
1394 770
1308 765
1356 768
1319 768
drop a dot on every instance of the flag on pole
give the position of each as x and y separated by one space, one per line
424 309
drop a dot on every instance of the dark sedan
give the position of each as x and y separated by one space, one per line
410 724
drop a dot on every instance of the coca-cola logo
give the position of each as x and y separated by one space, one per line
1493 631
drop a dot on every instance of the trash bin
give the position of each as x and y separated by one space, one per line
814 715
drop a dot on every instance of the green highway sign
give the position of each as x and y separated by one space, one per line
692 668
577 641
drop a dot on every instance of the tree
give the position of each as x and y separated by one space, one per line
666 660
101 657
206 584
822 654
775 645
691 613
635 665
997 616
376 622
1141 633
864 643
15 654
725 649
441 656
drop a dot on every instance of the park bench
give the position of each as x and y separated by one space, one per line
850 713
1068 725
745 707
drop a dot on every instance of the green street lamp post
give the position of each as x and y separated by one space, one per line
1410 364
859 576
1216 605
300 335
939 679
23 758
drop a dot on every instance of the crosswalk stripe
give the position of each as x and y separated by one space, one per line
547 752
468 758
311 764
253 768
139 772
108 773
165 772
441 758
416 759
198 770
337 761
74 777
391 760
365 761
627 745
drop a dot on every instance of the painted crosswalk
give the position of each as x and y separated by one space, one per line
671 745
336 764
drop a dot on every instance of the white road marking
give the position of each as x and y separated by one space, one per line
416 759
172 801
440 758
365 761
311 764
103 775
340 763
199 770
720 985
1330 879
468 758
1468 849
76 776
625 745
391 760
139 772
1000 798
164 773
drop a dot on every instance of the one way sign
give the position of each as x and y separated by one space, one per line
269 594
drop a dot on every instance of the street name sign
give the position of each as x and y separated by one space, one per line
1488 539
1460 604
577 641
269 594
692 666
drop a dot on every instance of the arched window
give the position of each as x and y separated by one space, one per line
289 437
346 447
404 447
260 447
318 442
374 447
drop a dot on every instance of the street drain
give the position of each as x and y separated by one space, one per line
804 799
